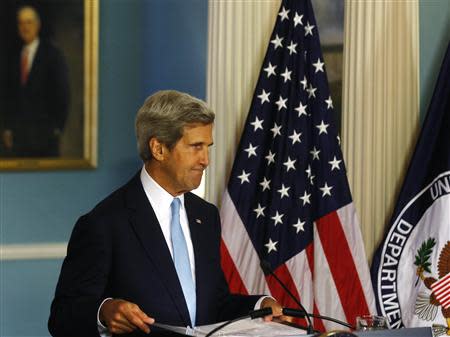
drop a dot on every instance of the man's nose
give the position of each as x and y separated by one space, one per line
204 159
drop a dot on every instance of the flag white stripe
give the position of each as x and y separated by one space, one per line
442 291
325 291
241 248
300 271
350 224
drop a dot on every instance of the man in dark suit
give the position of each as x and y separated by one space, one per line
37 94
151 250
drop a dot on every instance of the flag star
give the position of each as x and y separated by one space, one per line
281 103
295 137
277 218
271 246
322 127
290 164
329 102
264 97
311 91
326 190
270 158
244 177
318 65
259 211
257 124
308 171
306 198
284 191
311 180
265 184
301 109
298 19
335 163
308 29
338 139
299 226
284 14
277 41
315 153
251 150
276 130
286 75
304 83
270 70
292 47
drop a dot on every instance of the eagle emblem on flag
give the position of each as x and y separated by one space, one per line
427 304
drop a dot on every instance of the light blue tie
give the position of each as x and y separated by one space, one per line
181 260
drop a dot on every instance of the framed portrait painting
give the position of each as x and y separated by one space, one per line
48 84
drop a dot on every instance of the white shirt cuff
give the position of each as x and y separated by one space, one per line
102 330
259 302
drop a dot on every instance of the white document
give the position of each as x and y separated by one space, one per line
244 328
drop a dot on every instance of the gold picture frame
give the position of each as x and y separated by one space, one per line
75 26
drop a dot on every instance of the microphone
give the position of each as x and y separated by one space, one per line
267 269
301 314
252 314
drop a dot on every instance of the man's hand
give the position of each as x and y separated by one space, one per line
122 316
277 310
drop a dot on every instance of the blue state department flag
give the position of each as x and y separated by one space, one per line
411 269
288 201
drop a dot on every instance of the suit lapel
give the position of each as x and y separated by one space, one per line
149 233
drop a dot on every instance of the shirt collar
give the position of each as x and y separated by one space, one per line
159 198
32 46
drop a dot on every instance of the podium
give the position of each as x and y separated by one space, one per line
162 330
405 332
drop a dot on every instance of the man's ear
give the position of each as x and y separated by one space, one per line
156 149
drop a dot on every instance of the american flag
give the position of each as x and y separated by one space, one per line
288 199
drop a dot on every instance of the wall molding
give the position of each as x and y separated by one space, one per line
33 251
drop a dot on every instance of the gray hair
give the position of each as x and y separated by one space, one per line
164 116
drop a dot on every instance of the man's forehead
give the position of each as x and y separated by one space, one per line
27 13
198 132
196 125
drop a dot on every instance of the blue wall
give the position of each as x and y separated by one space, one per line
144 46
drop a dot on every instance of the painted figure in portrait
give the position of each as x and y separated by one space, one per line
37 93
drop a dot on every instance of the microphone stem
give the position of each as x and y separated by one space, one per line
310 329
225 324
333 320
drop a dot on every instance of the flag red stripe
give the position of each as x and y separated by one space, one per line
342 266
231 272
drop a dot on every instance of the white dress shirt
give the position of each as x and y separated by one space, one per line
31 49
161 200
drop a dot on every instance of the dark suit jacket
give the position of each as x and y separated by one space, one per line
118 250
37 111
